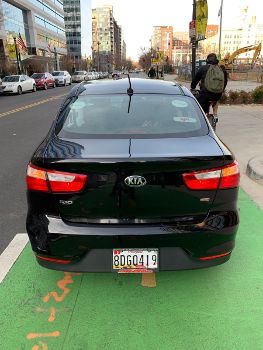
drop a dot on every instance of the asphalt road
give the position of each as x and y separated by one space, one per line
20 132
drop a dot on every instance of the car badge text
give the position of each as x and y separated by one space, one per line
135 181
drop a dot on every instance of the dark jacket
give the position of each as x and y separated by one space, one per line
151 73
201 74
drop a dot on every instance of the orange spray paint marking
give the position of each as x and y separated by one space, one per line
62 285
43 346
52 316
43 335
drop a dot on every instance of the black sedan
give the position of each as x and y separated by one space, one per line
131 178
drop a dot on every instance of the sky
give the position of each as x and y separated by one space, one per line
137 17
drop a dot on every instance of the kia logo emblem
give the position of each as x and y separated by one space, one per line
135 181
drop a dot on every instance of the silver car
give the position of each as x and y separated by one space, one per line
78 76
62 77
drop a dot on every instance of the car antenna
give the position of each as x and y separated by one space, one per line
129 92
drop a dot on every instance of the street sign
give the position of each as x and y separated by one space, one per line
159 57
192 29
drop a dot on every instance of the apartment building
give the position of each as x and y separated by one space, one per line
162 40
107 40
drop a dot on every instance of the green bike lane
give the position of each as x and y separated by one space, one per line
216 308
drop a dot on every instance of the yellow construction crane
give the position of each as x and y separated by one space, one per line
228 61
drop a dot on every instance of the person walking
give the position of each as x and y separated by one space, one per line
213 80
152 73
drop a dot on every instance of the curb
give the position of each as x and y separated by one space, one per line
255 169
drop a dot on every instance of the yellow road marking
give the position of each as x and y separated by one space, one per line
148 280
19 109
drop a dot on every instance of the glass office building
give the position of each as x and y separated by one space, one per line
41 25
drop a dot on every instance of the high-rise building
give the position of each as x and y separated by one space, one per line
107 41
162 40
78 27
41 26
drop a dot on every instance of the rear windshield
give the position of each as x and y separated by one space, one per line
11 78
139 115
79 73
38 76
55 74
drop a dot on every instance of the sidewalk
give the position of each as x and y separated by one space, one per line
232 84
241 128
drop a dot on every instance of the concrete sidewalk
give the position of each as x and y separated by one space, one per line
231 85
241 128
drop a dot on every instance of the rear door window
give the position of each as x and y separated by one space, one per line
141 115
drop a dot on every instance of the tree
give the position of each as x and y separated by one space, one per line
145 58
67 63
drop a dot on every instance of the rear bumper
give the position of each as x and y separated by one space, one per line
89 247
100 260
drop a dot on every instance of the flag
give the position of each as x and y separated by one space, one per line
21 43
201 19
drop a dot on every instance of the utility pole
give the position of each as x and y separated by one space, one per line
17 57
220 30
194 42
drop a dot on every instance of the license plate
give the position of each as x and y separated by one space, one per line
135 260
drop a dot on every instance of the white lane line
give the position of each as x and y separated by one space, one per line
11 253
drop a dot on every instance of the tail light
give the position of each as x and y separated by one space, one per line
54 181
222 178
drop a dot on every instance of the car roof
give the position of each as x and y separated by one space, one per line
139 86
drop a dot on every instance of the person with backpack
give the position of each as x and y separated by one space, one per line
152 73
213 82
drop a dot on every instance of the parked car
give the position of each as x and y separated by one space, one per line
78 76
1 86
18 84
116 75
132 178
90 76
62 78
44 80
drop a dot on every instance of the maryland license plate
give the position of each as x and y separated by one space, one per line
135 260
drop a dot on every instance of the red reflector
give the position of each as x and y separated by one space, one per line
59 261
214 256
45 180
225 177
